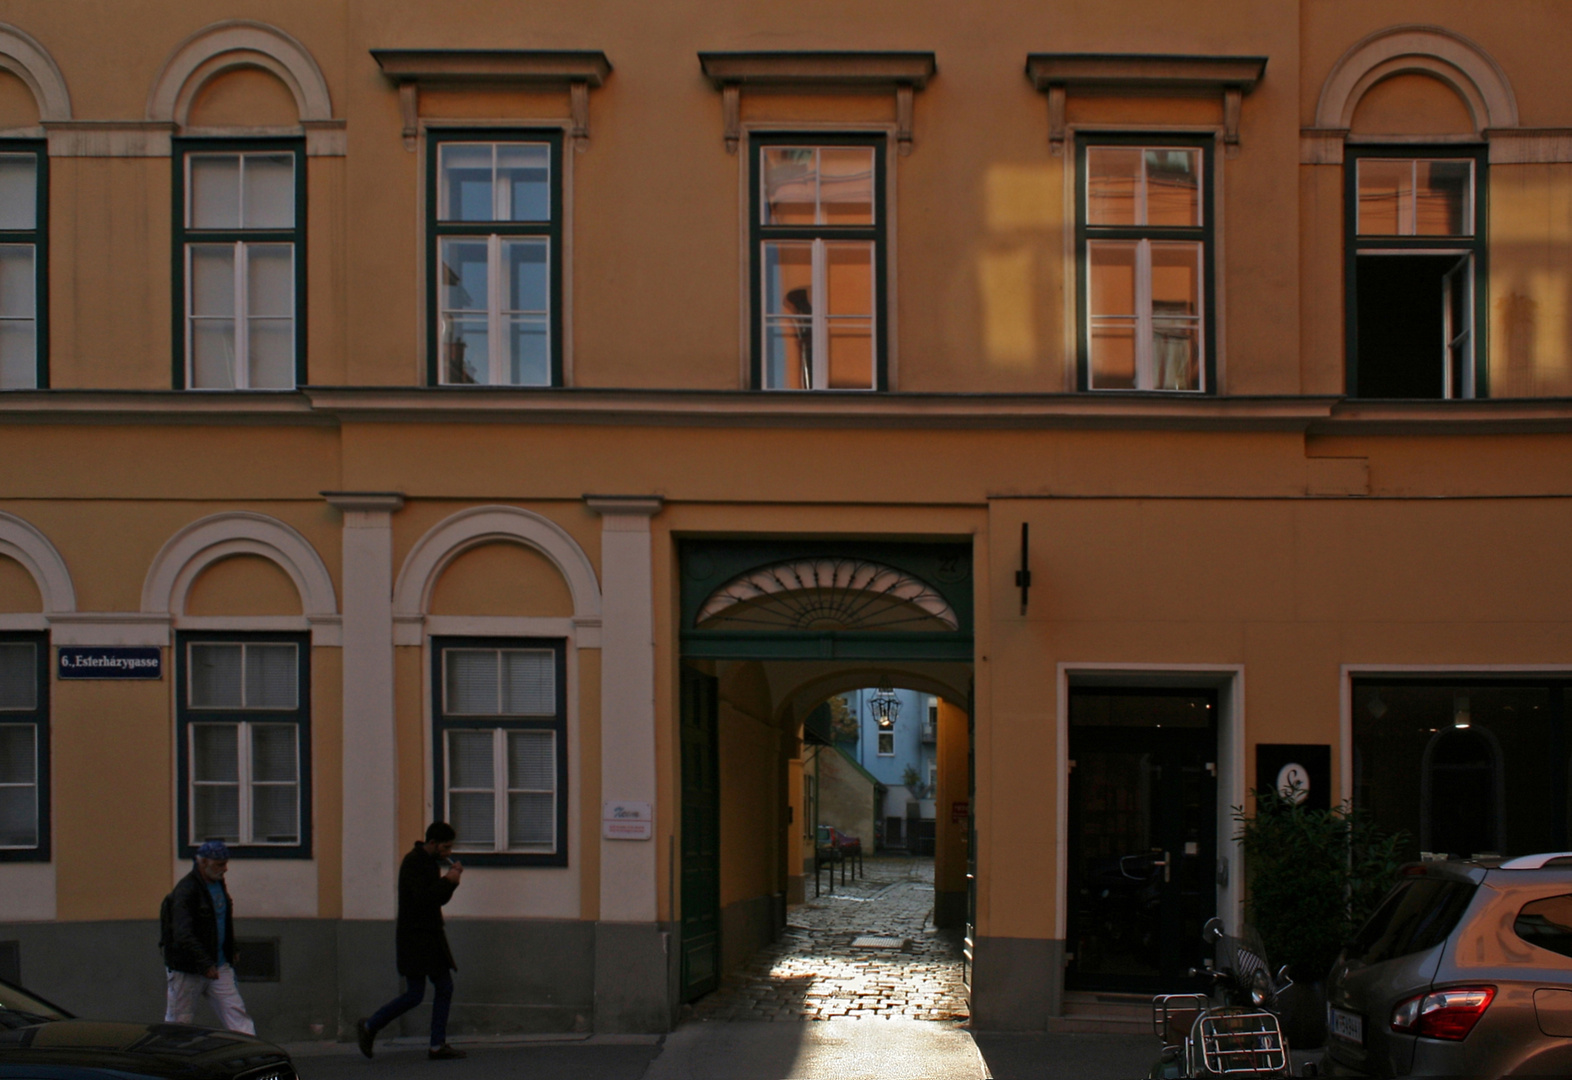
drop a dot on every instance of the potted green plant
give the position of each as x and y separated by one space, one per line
1314 877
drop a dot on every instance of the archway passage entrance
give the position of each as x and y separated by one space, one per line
770 631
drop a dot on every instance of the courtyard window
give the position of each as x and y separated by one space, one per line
818 263
24 308
24 748
244 751
1144 240
501 753
240 254
496 259
1415 267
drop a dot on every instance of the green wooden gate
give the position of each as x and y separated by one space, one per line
700 835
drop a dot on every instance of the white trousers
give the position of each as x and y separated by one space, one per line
184 990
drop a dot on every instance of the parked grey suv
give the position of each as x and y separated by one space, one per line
1464 970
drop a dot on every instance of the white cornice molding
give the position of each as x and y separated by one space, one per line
336 406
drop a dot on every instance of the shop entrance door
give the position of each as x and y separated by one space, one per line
1142 837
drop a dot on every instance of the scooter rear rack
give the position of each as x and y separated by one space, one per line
1241 1042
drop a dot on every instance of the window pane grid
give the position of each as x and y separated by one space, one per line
1415 197
500 682
240 303
18 786
243 675
245 785
18 676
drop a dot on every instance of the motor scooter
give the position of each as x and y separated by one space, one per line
1234 1029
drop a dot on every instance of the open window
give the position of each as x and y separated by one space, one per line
1415 273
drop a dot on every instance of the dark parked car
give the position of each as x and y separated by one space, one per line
1464 970
40 1041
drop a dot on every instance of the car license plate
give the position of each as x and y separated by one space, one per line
1350 1027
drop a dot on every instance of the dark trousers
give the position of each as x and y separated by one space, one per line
415 990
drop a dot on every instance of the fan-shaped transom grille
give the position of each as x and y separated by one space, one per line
826 594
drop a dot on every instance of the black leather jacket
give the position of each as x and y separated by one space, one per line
190 932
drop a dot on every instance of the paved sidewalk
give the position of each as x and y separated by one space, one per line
839 1050
868 950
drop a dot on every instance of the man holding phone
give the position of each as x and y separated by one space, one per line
426 880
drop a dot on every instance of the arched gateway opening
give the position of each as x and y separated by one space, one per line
779 639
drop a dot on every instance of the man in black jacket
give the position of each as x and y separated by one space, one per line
426 880
198 926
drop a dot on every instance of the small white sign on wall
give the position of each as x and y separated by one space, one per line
626 821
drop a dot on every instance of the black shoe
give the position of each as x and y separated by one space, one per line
445 1053
364 1035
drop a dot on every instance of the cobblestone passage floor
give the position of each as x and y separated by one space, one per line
816 972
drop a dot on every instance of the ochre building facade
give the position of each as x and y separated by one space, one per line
528 416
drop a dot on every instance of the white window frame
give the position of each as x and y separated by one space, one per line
245 717
210 237
1144 318
245 781
500 790
444 722
880 737
881 139
546 232
33 240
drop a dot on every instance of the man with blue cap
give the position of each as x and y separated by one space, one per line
198 923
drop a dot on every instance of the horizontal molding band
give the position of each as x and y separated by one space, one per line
334 406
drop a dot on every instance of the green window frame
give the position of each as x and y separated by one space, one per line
500 748
24 265
1456 259
494 257
24 747
1130 339
819 295
239 310
243 742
